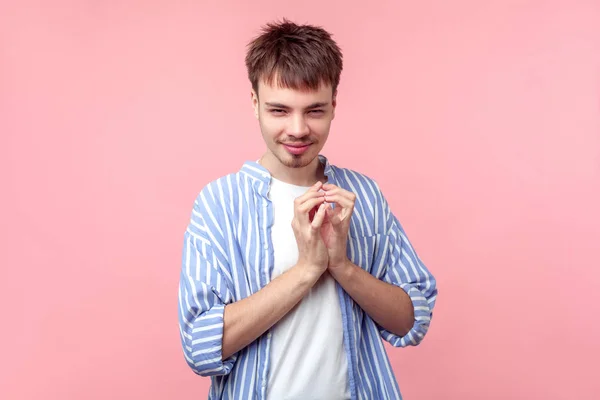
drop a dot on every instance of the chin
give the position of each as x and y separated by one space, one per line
292 161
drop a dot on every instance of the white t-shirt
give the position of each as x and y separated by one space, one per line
308 361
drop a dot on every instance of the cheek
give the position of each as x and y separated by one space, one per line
320 132
320 127
270 129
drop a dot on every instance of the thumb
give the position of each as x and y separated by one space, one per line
330 213
336 216
319 216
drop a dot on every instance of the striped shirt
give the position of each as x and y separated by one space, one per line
228 256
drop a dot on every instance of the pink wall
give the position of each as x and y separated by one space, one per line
480 120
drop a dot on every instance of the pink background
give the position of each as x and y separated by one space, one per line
480 120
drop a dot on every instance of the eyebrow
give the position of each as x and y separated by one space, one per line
279 105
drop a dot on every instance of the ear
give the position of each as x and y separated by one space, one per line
254 97
333 104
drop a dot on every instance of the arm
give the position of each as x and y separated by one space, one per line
247 319
388 305
213 327
203 292
213 331
400 293
403 268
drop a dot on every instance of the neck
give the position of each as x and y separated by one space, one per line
302 176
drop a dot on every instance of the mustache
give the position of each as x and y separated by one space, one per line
297 143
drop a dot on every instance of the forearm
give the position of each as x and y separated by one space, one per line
388 305
245 320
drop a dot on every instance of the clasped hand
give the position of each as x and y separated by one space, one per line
322 231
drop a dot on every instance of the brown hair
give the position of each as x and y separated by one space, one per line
301 57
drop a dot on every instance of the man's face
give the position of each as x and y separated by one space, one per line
294 124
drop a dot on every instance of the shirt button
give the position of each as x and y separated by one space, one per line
266 247
264 384
269 335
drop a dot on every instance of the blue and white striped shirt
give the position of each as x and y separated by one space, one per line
227 256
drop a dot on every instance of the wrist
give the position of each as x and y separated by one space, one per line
341 269
307 275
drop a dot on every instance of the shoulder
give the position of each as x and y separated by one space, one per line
371 211
222 189
212 204
362 185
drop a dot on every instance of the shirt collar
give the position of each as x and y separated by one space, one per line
261 177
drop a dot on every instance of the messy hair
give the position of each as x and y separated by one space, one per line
300 57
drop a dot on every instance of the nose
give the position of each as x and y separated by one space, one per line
298 126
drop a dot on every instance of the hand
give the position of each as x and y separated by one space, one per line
312 253
335 231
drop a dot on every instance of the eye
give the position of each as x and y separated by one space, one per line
277 111
316 112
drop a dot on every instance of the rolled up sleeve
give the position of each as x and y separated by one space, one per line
405 269
203 294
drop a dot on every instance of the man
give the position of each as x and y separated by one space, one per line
295 269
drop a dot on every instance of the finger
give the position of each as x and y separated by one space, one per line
308 196
302 212
340 191
310 193
329 211
332 214
344 209
310 204
316 187
339 199
339 214
329 187
319 217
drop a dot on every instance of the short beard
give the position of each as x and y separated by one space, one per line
296 161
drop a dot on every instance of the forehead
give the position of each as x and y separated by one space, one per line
294 97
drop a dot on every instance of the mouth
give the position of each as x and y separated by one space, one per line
296 149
